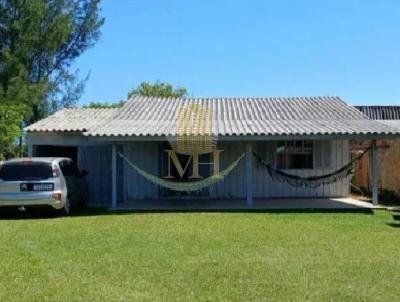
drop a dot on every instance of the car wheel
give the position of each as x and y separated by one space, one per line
86 201
66 210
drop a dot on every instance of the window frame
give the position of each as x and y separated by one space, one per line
304 150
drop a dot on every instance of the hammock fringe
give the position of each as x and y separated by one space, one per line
312 181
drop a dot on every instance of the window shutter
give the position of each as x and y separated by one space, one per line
271 149
326 153
317 154
322 154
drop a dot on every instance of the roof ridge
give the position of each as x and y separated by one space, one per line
377 106
202 98
86 108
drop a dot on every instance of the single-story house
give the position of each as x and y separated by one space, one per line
388 152
264 147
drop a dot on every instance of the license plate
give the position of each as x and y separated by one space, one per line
36 187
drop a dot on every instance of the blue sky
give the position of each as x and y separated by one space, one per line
348 48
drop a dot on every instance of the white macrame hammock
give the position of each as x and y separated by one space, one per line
186 186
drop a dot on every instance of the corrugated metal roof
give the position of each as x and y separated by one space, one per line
151 116
391 123
73 119
381 112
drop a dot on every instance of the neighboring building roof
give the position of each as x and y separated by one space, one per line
73 120
388 115
381 112
151 116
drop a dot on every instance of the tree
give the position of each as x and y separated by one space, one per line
158 89
104 105
39 40
11 117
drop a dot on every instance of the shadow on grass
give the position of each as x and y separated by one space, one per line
15 214
396 216
394 225
98 212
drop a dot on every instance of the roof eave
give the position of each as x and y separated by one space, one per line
252 137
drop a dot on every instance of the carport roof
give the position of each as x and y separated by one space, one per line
73 120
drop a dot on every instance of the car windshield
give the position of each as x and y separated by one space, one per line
26 171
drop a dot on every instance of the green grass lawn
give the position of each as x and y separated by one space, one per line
201 257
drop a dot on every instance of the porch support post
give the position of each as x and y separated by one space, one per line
374 172
114 176
249 175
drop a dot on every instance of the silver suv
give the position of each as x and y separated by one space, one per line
54 182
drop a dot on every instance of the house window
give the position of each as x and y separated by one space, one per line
294 155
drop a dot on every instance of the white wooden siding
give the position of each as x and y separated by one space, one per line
146 156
